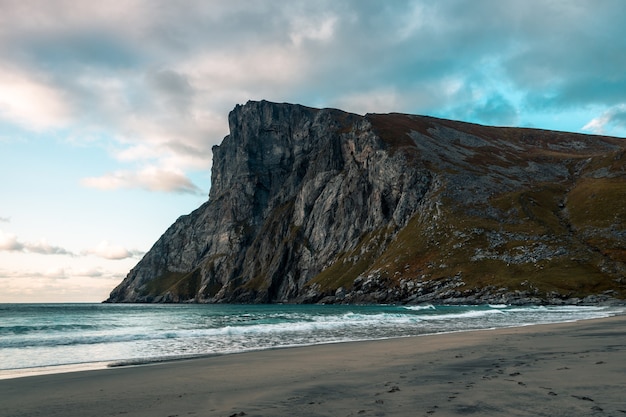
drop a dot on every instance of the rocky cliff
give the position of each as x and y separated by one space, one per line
319 205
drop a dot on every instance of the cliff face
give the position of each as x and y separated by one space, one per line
310 205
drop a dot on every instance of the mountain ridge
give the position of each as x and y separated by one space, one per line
321 205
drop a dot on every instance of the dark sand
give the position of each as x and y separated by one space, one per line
570 369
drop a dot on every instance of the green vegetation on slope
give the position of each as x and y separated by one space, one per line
530 247
598 203
183 285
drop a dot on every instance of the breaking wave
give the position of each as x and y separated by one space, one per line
63 334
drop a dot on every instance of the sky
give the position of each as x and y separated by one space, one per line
109 110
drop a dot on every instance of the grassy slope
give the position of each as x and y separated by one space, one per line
550 215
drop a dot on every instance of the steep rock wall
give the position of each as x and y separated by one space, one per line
292 189
319 205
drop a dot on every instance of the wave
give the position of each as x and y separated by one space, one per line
276 326
465 315
407 318
420 307
25 329
193 330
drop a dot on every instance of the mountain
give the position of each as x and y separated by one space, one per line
319 205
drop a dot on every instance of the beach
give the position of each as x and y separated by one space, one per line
565 369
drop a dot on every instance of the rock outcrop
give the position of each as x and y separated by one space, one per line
319 205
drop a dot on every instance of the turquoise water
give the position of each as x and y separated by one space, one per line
44 335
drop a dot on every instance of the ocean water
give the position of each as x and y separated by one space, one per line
36 337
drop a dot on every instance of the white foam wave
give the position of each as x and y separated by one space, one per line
233 329
464 315
420 307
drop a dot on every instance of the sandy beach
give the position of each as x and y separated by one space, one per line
568 369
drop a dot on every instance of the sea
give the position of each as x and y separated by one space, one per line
51 338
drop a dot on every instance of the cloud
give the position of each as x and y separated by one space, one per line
106 250
31 102
150 179
91 273
559 67
44 248
9 242
57 284
495 110
55 273
172 89
157 80
63 272
51 273
5 219
110 251
371 101
320 28
610 120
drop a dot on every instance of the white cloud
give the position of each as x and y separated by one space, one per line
44 248
372 101
139 152
612 119
304 28
31 103
55 273
92 273
173 143
150 179
5 219
10 243
256 68
597 124
110 251
64 271
57 284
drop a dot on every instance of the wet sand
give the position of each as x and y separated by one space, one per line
568 369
